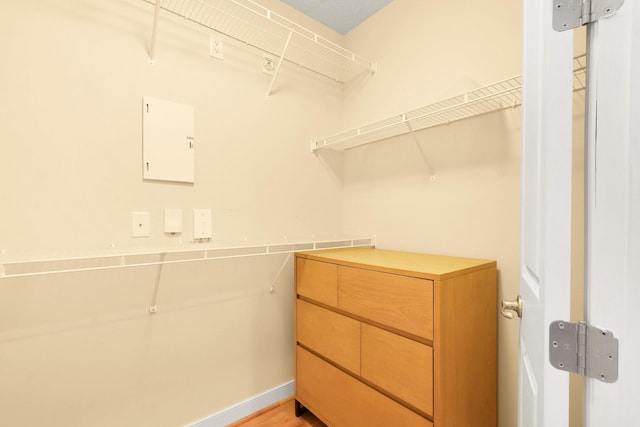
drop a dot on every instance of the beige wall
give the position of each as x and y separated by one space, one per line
428 51
73 77
82 349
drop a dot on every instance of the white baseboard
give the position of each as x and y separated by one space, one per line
248 407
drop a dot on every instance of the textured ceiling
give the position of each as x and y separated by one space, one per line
341 15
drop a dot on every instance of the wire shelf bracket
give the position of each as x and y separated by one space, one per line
275 72
430 169
154 31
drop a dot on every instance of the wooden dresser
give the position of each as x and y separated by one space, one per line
386 338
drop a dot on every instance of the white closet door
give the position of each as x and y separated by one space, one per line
545 248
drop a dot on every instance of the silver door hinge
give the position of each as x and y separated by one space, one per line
569 14
584 350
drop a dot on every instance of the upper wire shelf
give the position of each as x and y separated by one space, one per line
257 26
35 265
494 97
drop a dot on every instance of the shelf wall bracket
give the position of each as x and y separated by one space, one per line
154 30
153 307
275 72
432 173
272 289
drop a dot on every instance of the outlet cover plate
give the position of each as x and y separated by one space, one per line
202 228
139 224
268 64
216 46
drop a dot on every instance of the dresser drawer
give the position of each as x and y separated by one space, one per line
317 281
401 366
401 302
344 401
332 335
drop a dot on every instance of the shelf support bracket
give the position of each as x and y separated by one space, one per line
432 174
272 289
153 307
275 72
152 46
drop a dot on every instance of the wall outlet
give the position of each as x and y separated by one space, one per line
202 228
216 47
268 64
139 224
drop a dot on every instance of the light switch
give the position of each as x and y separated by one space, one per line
173 220
202 228
139 224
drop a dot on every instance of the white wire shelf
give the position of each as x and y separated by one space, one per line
259 27
34 265
487 99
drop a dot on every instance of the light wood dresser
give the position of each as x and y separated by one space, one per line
387 338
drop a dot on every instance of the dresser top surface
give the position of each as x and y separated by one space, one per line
423 265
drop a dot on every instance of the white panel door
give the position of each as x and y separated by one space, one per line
613 209
546 213
167 140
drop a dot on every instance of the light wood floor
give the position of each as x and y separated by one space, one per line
280 414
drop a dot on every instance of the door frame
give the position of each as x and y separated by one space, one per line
612 208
